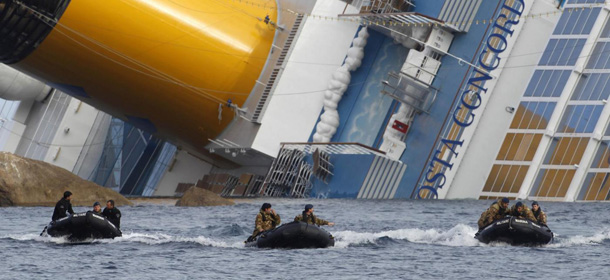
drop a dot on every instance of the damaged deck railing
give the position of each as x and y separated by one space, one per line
292 172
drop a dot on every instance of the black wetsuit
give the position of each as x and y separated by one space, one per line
61 207
113 215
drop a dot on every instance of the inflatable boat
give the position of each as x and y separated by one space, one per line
515 231
295 235
82 226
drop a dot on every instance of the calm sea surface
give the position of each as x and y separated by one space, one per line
375 240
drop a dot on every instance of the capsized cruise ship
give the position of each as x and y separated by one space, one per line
375 99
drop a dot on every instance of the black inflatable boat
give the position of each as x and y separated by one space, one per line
82 226
295 235
515 231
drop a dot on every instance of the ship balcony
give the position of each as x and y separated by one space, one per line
291 173
382 6
410 91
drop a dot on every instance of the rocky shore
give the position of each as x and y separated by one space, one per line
199 197
27 182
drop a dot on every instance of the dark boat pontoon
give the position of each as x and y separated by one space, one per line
515 231
82 226
295 235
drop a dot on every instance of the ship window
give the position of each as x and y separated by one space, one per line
566 150
600 57
594 86
562 52
606 31
576 21
602 156
436 56
585 1
505 178
533 115
552 182
596 187
580 118
547 83
519 146
597 184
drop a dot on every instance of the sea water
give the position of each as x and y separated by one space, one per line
375 239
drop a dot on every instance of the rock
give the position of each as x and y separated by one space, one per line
27 182
195 196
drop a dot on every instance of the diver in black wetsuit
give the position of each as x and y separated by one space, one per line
62 206
112 214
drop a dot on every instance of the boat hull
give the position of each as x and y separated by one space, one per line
82 226
295 235
515 231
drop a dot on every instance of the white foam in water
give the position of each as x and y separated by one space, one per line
459 235
150 239
160 238
37 237
596 239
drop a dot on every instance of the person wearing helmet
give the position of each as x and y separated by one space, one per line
266 220
497 210
308 217
520 210
62 206
538 213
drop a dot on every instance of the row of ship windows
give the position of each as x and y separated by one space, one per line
509 179
585 1
557 170
550 83
535 115
576 21
521 147
565 52
548 183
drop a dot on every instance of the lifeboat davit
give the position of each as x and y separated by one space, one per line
515 231
294 235
82 226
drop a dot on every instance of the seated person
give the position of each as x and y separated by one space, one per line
497 211
538 213
308 217
112 214
97 208
520 210
266 220
62 206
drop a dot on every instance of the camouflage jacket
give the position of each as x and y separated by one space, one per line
265 221
525 213
311 219
540 216
494 212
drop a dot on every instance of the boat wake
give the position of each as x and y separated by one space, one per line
148 239
578 240
459 235
160 238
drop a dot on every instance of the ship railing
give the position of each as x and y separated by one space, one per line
382 6
291 173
